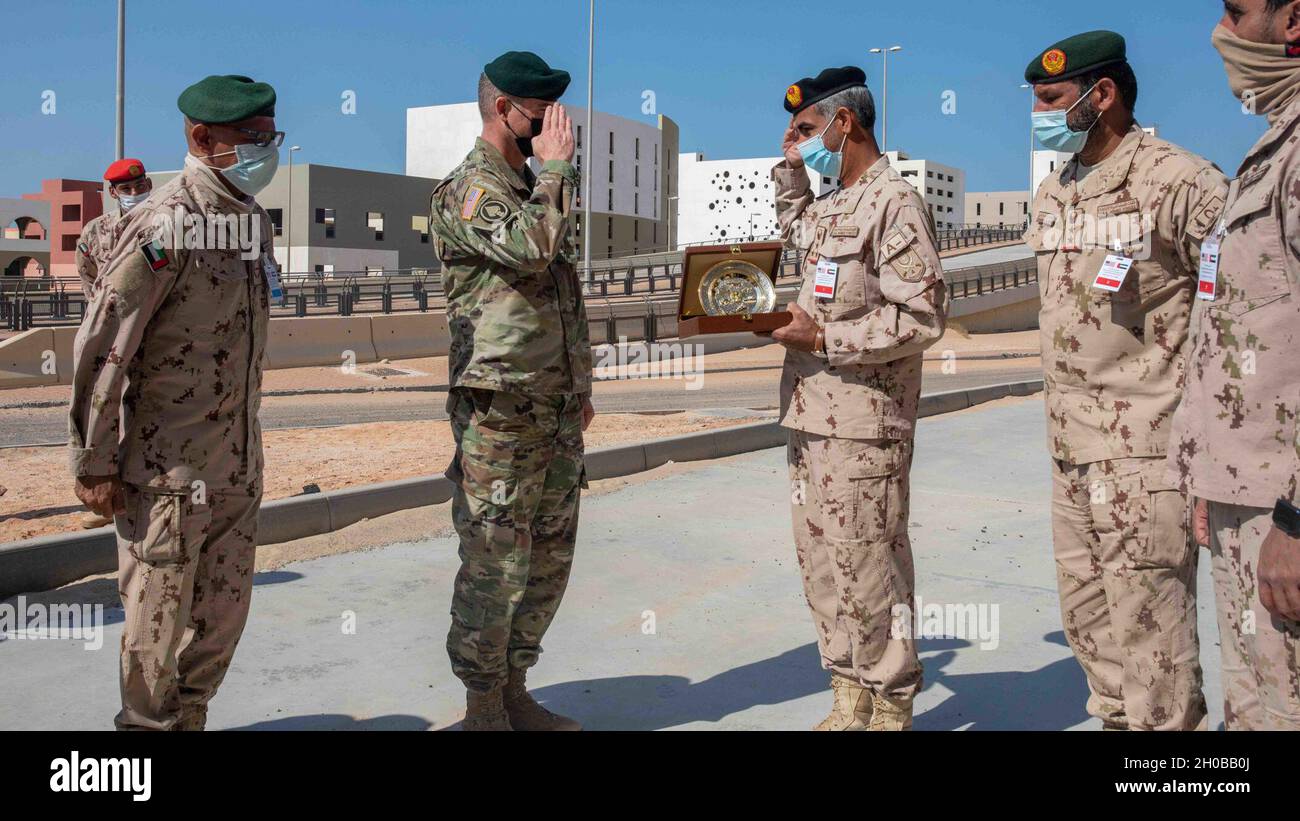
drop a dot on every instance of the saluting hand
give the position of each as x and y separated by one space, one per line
556 140
790 148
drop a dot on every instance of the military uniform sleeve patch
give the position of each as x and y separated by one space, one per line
472 199
1206 216
81 246
899 253
155 255
494 211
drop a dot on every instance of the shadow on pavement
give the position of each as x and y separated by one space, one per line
335 721
1050 698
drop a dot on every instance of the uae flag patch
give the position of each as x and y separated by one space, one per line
156 255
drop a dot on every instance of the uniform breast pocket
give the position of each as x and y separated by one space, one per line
849 256
1252 259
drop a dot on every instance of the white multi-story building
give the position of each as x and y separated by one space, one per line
727 200
634 166
943 187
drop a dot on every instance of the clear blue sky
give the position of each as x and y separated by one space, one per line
719 69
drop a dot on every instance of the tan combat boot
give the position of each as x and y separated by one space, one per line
852 707
890 715
485 711
526 714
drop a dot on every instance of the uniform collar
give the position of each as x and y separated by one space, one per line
1279 129
496 162
1112 172
208 188
845 200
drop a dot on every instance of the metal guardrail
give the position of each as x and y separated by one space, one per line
28 302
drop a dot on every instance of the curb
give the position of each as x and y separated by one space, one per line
52 561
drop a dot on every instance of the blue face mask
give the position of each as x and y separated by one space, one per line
254 168
820 158
1052 129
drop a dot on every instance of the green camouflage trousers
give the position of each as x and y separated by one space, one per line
518 472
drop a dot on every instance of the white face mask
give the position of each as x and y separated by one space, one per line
254 170
129 201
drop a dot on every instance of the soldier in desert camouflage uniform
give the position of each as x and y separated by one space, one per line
1117 232
128 185
520 366
873 299
166 389
1235 445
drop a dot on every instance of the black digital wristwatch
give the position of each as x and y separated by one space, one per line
1286 518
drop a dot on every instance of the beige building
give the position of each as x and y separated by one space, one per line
633 165
997 209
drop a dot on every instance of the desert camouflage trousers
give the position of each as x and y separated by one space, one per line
518 474
1261 653
1126 573
185 575
849 502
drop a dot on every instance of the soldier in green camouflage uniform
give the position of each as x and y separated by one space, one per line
520 367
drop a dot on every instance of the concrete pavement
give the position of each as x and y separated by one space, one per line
684 612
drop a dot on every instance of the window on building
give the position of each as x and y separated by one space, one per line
950 178
1002 209
930 174
636 203
949 195
611 200
374 270
978 208
277 220
909 173
579 137
929 190
1024 208
656 154
637 154
420 224
609 228
611 143
826 180
326 217
609 252
636 230
375 222
636 176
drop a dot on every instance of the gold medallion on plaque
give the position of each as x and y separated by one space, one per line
735 287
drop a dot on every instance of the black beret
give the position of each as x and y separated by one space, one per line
813 89
226 98
524 74
1077 55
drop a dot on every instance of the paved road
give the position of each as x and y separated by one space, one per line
1008 253
755 389
684 612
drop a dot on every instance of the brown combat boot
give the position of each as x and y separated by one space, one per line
484 712
889 715
852 707
526 714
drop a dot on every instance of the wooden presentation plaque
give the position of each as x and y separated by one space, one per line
692 317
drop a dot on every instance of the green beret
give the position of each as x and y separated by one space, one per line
810 90
524 74
1077 55
226 98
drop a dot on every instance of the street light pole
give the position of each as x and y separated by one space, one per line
672 246
288 216
591 141
884 84
1030 198
121 77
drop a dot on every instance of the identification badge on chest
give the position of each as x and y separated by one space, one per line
272 275
827 274
1207 284
1113 273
